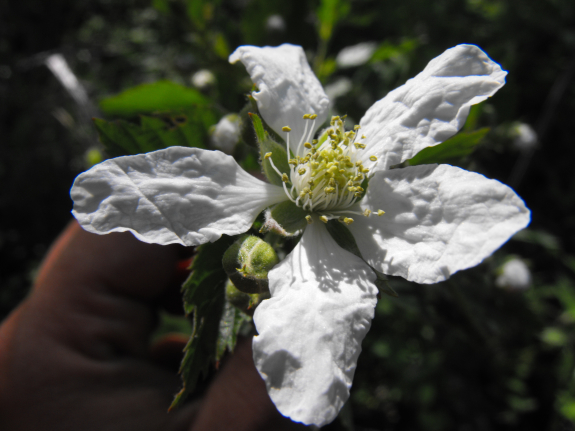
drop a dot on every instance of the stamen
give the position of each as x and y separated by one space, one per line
309 219
380 212
267 155
323 219
286 129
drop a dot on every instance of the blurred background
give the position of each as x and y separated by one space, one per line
492 348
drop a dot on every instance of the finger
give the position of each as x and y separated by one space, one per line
238 400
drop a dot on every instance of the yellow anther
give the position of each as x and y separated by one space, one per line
358 163
301 171
331 182
314 165
329 190
314 141
286 129
267 155
323 219
307 145
373 158
293 162
363 170
358 178
312 116
356 127
308 219
348 220
363 137
285 178
351 189
306 190
305 116
380 212
311 183
367 212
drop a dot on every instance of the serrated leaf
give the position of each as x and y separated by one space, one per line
345 239
204 300
189 129
455 148
155 97
230 325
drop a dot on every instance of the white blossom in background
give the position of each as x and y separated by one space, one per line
423 223
275 23
515 275
355 55
340 87
226 134
203 78
525 138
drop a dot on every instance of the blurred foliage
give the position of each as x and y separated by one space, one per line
462 354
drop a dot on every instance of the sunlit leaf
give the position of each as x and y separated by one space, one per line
155 97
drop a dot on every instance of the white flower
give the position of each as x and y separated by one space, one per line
226 134
515 275
525 138
434 220
355 55
203 78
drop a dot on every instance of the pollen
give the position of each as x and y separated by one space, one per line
286 129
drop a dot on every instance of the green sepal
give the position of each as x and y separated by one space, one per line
285 219
154 97
267 145
186 129
344 238
204 300
453 149
247 262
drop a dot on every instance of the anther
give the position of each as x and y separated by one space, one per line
356 127
348 220
286 129
308 219
380 212
323 219
367 212
267 155
305 116
308 145
373 158
312 116
285 178
301 171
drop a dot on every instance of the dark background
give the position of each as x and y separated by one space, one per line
463 354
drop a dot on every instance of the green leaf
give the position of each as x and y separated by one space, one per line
345 239
190 129
278 153
155 97
329 13
204 300
230 325
455 148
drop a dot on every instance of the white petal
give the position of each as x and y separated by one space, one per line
431 107
288 88
438 220
310 331
178 195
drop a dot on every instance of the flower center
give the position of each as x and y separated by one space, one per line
326 175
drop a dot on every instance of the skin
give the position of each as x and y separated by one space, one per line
76 353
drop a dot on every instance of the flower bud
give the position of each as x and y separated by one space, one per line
247 263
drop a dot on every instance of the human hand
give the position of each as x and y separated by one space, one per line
75 354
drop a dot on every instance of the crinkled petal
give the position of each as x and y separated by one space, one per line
178 195
310 331
438 220
288 88
429 108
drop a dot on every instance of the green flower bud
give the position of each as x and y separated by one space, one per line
245 302
247 263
